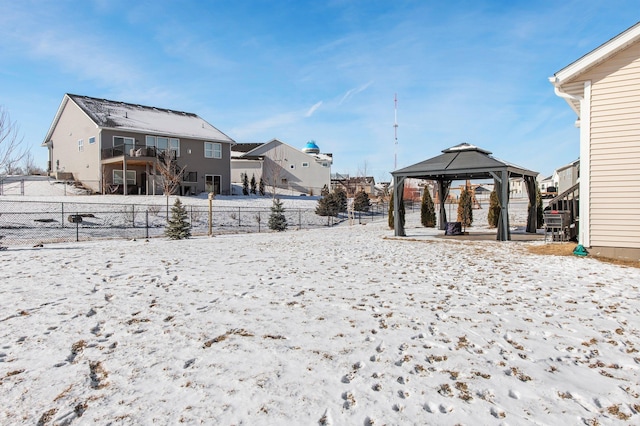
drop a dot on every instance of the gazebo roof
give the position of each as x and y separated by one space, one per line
463 161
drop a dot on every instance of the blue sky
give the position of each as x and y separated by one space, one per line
463 71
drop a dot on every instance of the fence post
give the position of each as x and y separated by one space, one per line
210 196
62 210
299 219
146 221
77 227
133 215
239 215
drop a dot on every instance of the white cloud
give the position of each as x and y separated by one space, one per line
313 109
354 91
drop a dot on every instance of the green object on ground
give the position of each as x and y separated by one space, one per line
580 251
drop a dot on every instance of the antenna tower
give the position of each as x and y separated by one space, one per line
395 130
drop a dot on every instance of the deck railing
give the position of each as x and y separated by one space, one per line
568 201
136 150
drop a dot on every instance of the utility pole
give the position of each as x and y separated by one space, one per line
395 130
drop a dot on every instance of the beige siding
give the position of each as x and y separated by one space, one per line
615 150
65 155
284 164
249 167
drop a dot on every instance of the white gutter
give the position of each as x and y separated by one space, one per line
584 123
566 95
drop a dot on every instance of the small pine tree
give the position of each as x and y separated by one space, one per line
341 196
540 209
253 184
277 220
494 210
361 202
245 184
261 187
427 210
401 213
465 208
177 227
324 191
327 206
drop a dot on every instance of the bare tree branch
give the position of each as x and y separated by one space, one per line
170 175
273 169
11 150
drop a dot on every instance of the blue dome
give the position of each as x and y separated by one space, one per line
311 148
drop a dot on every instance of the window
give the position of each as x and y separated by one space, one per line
80 145
92 140
162 143
120 141
174 145
325 164
212 150
117 177
305 164
292 166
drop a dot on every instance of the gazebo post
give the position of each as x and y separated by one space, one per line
504 207
443 193
501 183
532 213
398 190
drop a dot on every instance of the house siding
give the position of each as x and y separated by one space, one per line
191 157
249 167
65 157
615 150
283 163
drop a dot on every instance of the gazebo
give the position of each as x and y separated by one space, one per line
462 162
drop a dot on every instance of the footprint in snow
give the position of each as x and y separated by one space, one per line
444 409
497 413
349 377
349 400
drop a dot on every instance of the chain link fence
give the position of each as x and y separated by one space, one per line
35 222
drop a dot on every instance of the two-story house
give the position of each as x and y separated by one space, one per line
115 147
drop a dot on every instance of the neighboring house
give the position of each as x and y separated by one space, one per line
282 166
115 147
517 188
567 176
352 185
603 88
546 183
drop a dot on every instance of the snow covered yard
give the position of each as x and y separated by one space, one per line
338 326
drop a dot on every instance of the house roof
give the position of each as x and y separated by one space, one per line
109 114
598 55
246 147
463 161
257 150
575 163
